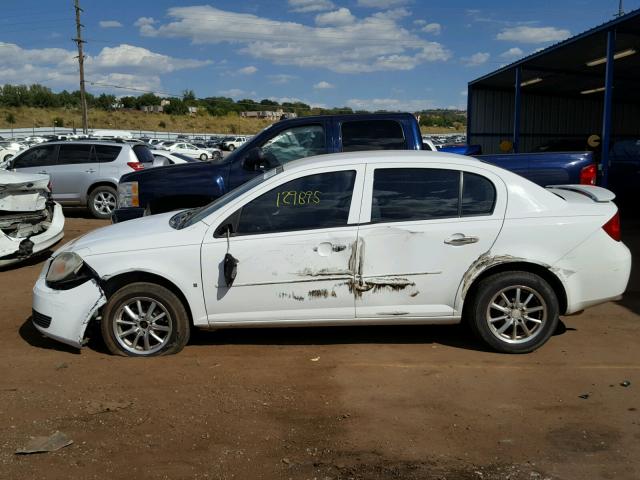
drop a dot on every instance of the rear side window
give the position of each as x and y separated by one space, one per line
107 153
404 194
72 154
143 154
36 157
478 195
372 135
315 201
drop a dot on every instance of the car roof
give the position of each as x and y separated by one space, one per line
384 156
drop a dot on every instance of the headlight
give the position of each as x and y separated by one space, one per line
128 194
62 267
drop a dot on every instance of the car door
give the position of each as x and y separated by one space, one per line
38 159
294 244
423 227
75 171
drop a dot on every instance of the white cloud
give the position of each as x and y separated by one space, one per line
381 4
464 93
374 43
512 53
420 23
305 6
250 70
236 93
524 34
476 59
145 21
110 24
281 78
336 18
433 28
322 85
125 65
391 104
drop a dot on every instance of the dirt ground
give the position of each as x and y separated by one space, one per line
325 403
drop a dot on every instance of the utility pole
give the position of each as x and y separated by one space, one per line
79 41
620 9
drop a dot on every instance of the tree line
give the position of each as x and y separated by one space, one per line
39 96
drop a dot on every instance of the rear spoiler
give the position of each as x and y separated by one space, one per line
597 194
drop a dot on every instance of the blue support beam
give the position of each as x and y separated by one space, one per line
608 101
516 110
469 93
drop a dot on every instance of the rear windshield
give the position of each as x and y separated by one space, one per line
143 153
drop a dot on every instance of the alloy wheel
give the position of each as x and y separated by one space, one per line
516 314
142 326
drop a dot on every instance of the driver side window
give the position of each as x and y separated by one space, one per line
295 143
315 201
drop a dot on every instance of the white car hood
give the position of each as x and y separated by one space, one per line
23 192
143 233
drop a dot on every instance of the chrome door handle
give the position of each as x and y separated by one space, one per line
460 239
91 170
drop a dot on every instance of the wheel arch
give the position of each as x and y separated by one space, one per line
102 183
113 284
518 266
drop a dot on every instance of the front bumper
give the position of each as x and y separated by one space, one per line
41 242
128 213
67 312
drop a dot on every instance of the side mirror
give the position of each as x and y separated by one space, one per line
254 160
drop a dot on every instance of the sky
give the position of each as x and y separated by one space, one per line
366 54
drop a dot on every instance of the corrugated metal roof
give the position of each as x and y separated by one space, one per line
633 15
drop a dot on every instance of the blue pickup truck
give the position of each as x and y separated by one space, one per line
162 189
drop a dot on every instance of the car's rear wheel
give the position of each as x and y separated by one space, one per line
144 320
203 156
103 201
514 312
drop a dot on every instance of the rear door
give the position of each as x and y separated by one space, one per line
76 170
423 227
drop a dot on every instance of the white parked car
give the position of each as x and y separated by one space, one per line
353 238
30 221
8 150
163 158
232 143
190 150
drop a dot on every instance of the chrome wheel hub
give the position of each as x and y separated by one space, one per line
105 202
142 326
516 314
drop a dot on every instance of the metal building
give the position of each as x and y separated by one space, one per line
582 91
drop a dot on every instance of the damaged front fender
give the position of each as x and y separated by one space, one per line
64 314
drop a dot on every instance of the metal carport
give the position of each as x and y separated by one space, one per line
586 88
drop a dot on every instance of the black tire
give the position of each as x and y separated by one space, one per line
232 148
175 318
204 156
531 323
217 156
98 208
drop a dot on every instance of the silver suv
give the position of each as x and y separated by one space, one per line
84 173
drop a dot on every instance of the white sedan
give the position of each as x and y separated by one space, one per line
357 238
190 150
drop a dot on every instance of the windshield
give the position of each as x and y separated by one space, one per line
198 214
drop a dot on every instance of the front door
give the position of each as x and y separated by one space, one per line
427 226
75 172
294 244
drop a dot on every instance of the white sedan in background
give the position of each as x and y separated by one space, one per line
347 239
190 150
164 158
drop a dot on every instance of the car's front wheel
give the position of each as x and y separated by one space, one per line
103 200
203 156
232 148
144 320
514 312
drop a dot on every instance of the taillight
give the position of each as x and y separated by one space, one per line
588 175
136 165
612 227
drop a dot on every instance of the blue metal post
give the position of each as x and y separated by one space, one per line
516 111
608 100
469 90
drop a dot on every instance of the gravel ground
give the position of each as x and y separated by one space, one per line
325 403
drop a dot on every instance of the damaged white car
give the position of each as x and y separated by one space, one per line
30 221
360 238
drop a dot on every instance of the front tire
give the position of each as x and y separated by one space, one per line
232 148
144 320
203 156
514 312
103 200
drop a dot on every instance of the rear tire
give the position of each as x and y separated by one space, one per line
514 312
144 320
102 202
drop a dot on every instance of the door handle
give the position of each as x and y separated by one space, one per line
460 239
91 170
43 172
